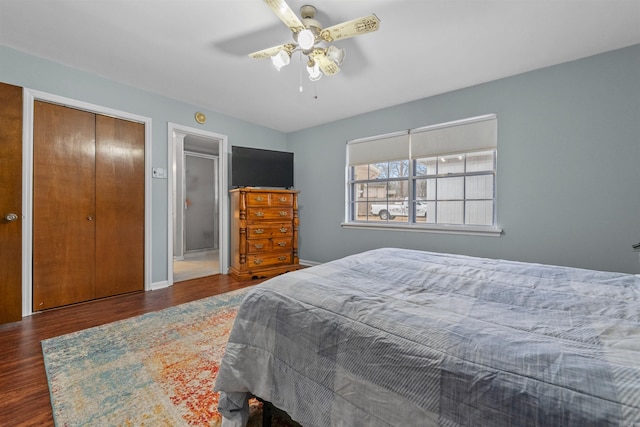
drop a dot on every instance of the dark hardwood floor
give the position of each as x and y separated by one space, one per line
24 393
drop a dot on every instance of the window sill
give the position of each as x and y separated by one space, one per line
477 230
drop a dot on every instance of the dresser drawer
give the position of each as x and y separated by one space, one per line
285 199
280 243
269 199
268 214
275 244
256 246
267 230
258 199
267 260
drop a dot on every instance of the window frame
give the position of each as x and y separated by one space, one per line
412 180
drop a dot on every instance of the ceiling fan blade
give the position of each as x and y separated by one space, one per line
355 27
268 52
284 12
327 66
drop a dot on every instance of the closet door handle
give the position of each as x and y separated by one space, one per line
11 217
90 218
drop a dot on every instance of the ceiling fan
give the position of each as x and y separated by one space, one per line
311 39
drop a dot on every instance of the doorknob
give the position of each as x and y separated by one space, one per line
11 217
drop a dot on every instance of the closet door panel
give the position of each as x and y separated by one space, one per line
10 203
63 206
119 206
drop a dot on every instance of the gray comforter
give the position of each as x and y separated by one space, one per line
395 337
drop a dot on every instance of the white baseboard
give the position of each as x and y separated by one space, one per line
159 285
309 263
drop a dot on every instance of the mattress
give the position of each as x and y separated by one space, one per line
395 337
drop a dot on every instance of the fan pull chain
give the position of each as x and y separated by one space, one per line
300 69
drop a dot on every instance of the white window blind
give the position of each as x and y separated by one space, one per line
464 136
384 148
461 136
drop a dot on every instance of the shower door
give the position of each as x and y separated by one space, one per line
200 202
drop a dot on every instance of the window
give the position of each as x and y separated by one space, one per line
437 178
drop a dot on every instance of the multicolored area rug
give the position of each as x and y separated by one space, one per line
157 369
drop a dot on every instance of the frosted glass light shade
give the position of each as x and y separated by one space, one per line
280 59
335 54
306 39
314 72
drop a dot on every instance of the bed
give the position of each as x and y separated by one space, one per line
394 337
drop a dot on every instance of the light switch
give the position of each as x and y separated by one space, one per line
159 173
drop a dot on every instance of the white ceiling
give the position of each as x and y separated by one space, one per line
196 50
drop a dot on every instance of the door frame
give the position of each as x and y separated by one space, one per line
29 97
175 136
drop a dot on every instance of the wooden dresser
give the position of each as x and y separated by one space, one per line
264 232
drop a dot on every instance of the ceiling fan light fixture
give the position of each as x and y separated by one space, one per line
281 59
314 71
312 39
335 54
306 39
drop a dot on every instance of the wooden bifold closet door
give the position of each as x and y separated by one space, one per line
10 203
88 206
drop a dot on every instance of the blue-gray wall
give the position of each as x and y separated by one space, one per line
568 159
39 74
568 183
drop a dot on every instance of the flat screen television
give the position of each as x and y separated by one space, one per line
256 167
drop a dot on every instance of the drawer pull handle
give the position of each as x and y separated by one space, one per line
282 243
259 245
259 230
284 213
259 214
283 229
282 257
257 261
259 199
283 199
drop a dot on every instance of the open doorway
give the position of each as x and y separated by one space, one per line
198 203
